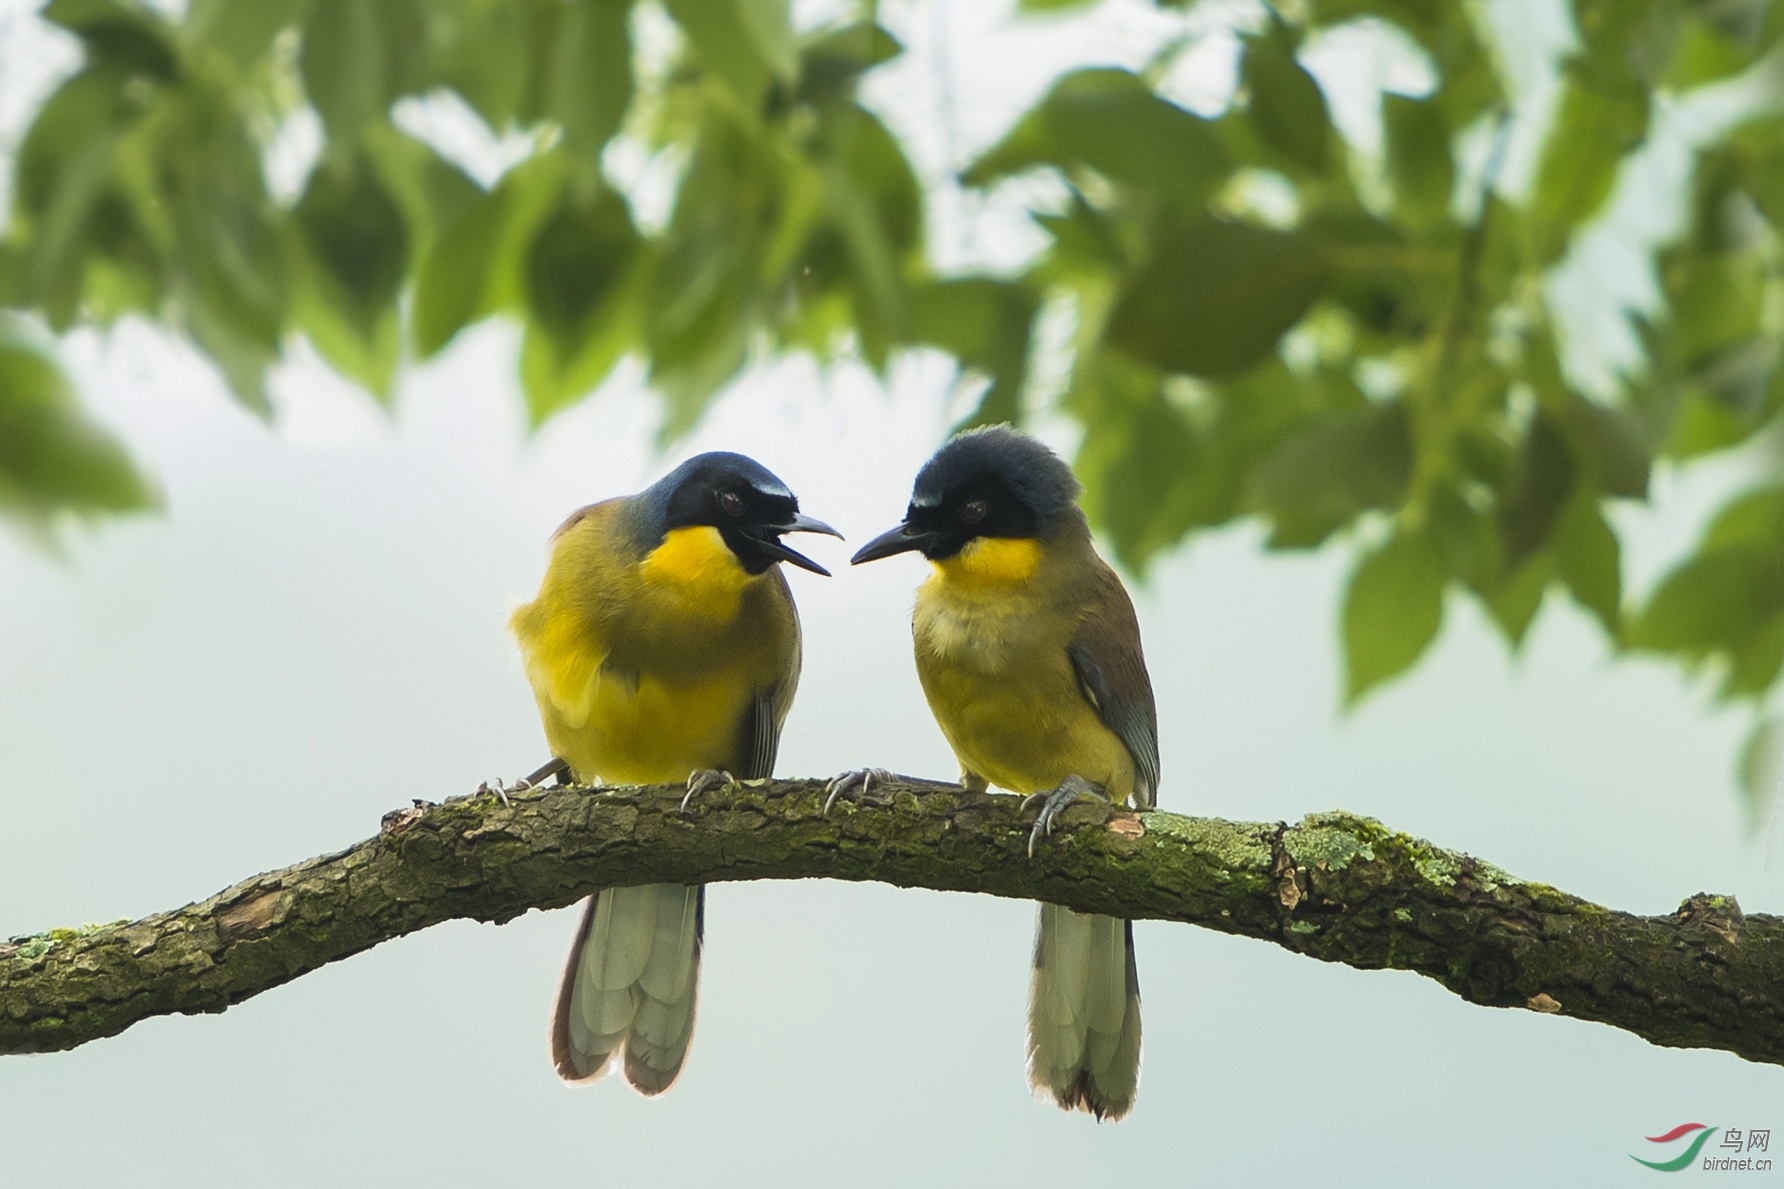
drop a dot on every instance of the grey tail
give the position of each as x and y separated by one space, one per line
628 992
1084 1012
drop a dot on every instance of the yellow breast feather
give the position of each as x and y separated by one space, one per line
562 659
981 609
646 730
992 562
697 569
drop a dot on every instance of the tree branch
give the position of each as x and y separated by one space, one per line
1335 887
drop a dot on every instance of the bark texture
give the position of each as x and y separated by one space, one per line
1335 887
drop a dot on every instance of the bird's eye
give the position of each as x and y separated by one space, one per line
731 502
974 511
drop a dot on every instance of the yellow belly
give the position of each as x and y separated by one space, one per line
651 731
1001 686
1025 738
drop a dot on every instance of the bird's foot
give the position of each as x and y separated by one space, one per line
1055 802
553 767
500 791
705 781
855 784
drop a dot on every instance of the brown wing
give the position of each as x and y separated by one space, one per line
1111 671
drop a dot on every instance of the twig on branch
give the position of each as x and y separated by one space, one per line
1335 887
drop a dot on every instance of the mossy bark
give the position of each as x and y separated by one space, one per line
1335 887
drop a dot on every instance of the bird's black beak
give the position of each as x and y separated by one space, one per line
801 523
902 539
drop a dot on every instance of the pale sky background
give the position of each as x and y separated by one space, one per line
314 633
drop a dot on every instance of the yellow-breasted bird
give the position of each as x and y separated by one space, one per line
1029 654
663 646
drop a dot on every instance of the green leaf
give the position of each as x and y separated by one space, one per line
1596 125
1083 240
197 180
832 63
430 191
1111 121
552 381
1756 660
1759 143
452 285
366 350
1761 757
1514 602
1464 533
1287 107
497 57
66 175
1703 424
1710 601
874 207
1542 479
1162 456
52 458
591 76
1727 600
1215 296
117 34
354 260
243 31
475 267
1703 53
985 324
1588 560
1716 302
1371 279
355 232
344 65
1610 446
1392 611
1419 162
747 43
1754 521
740 210
1319 480
577 262
1140 462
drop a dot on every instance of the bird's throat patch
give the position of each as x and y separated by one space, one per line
992 561
696 563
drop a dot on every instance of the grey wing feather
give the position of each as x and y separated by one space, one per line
1111 671
761 739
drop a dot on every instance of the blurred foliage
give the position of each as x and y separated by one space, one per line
1374 353
52 459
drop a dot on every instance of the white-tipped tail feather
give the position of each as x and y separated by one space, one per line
630 985
1084 1012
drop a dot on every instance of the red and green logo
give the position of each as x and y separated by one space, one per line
1683 1158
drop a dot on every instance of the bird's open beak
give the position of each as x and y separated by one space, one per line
902 539
801 523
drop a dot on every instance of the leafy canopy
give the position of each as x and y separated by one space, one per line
1382 359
